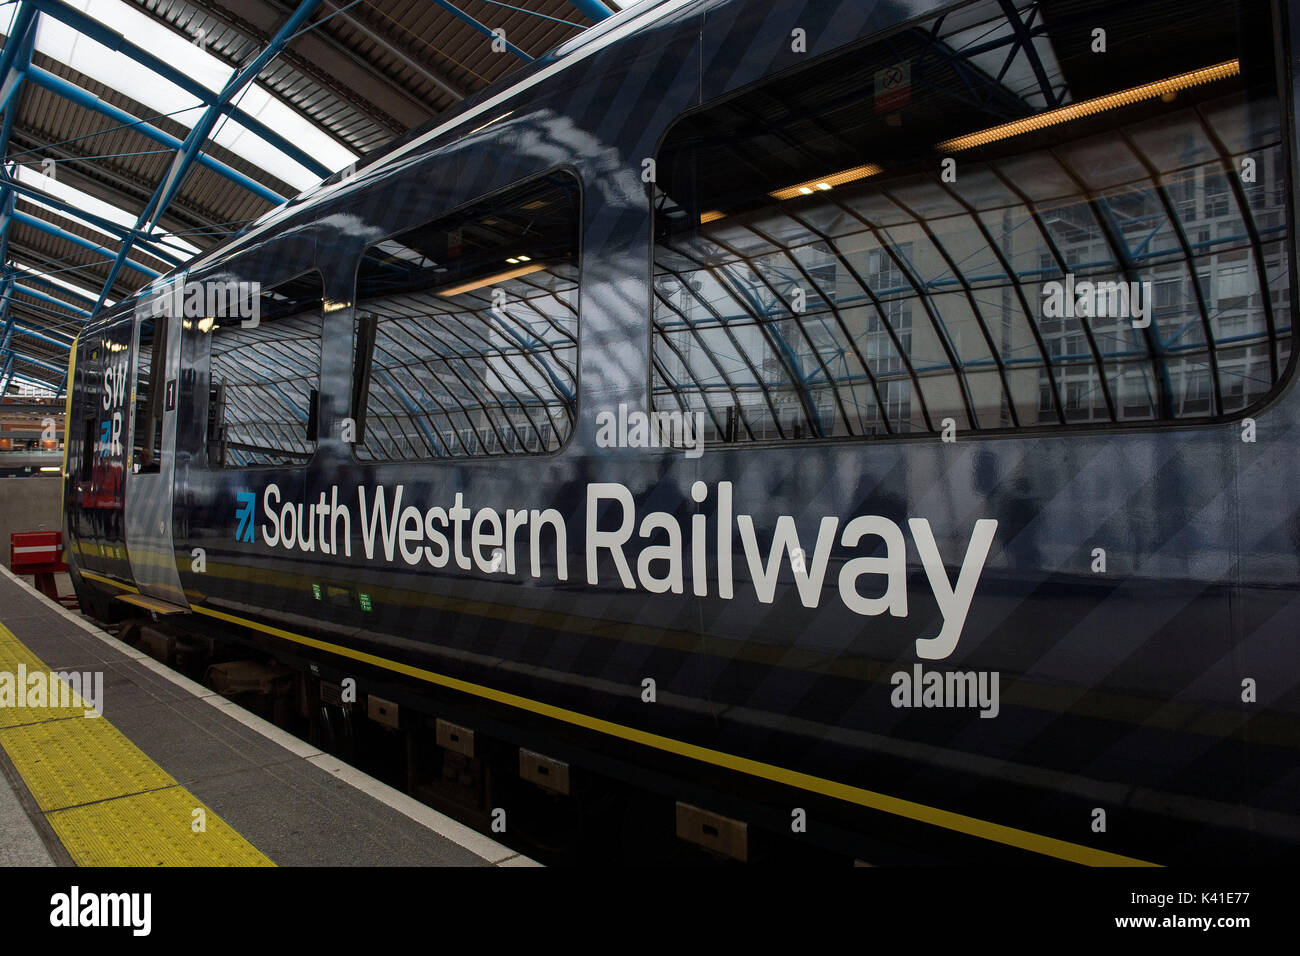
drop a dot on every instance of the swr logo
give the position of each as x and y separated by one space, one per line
244 514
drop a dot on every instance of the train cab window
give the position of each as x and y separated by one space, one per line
951 228
263 388
151 363
466 330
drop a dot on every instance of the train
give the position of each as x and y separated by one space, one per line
860 428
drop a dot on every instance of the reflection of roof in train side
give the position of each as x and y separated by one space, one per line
620 27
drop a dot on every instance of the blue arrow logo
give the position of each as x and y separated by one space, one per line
245 515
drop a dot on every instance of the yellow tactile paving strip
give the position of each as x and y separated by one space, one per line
108 802
152 829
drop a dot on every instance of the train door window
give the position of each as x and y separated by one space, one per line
87 449
263 395
89 382
151 358
467 330
1007 236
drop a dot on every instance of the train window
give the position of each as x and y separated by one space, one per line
262 392
466 330
151 354
952 226
87 449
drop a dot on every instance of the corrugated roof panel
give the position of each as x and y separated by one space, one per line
287 76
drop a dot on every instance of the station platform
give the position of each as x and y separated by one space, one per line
169 773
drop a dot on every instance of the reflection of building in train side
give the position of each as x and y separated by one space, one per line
887 304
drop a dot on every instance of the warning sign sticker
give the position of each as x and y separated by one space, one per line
893 87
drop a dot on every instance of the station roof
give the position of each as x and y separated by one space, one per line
137 134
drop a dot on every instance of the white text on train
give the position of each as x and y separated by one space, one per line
394 528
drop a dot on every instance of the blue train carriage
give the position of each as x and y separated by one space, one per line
870 425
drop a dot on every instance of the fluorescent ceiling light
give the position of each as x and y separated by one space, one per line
499 277
823 183
56 280
1099 104
118 71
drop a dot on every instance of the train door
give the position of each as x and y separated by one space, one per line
151 460
97 449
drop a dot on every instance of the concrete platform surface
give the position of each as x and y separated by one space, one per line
173 773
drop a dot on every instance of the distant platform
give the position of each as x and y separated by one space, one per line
173 774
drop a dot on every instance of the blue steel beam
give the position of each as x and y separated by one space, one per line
6 317
43 311
6 211
76 94
50 286
31 333
192 149
50 229
1025 42
90 27
20 34
42 297
151 246
982 93
14 62
6 353
198 136
11 327
6 290
31 359
464 17
592 9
